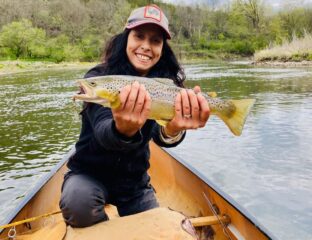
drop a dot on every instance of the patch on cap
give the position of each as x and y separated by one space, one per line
152 11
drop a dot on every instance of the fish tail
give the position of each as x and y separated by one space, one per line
237 119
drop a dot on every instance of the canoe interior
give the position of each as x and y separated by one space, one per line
176 187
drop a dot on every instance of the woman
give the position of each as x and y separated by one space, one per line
112 154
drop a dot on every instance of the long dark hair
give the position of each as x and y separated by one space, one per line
115 61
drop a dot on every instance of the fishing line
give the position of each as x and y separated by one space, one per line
225 231
74 118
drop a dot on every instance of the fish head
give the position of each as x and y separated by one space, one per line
103 91
88 92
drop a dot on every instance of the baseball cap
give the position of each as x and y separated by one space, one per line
148 14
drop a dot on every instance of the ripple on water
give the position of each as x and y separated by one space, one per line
269 168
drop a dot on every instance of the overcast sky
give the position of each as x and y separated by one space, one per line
273 3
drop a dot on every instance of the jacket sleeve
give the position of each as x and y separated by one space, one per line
105 132
159 140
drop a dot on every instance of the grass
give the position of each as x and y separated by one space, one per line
299 49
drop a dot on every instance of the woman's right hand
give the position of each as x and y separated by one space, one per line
134 109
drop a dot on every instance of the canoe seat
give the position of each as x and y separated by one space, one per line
158 223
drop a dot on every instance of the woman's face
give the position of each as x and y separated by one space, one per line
144 47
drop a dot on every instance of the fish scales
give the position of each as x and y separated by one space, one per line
105 90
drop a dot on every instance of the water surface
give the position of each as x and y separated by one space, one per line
39 123
268 170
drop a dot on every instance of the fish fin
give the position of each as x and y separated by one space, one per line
162 122
212 94
116 103
113 98
237 120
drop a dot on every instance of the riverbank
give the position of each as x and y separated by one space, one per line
16 66
298 51
283 63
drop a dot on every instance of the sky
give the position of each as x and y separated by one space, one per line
274 3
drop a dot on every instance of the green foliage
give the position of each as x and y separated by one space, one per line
294 23
21 39
76 30
56 48
90 46
244 48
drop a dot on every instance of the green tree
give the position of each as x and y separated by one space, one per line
73 17
91 47
22 39
253 10
238 27
296 22
56 47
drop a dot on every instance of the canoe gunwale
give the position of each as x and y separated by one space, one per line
224 195
43 180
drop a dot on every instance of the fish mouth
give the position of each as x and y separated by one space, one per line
87 92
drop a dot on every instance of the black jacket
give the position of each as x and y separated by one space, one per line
106 154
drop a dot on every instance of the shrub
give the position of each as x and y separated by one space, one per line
21 39
296 50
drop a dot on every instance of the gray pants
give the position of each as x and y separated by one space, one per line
83 200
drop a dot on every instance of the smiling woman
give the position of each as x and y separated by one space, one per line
112 154
144 47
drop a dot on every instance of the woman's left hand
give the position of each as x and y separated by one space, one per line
191 112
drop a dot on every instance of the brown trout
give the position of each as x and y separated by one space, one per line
105 90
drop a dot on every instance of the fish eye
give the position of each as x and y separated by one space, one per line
93 84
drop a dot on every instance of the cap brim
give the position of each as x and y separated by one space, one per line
143 22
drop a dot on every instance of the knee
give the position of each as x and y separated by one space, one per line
82 207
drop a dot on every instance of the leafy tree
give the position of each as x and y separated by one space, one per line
90 46
22 39
253 10
73 16
296 22
63 30
56 47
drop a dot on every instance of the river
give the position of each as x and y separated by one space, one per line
268 170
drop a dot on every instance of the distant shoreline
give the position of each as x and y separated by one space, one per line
297 52
19 66
283 63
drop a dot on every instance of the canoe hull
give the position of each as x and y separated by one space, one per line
178 186
184 189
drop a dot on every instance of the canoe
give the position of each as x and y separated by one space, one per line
183 193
